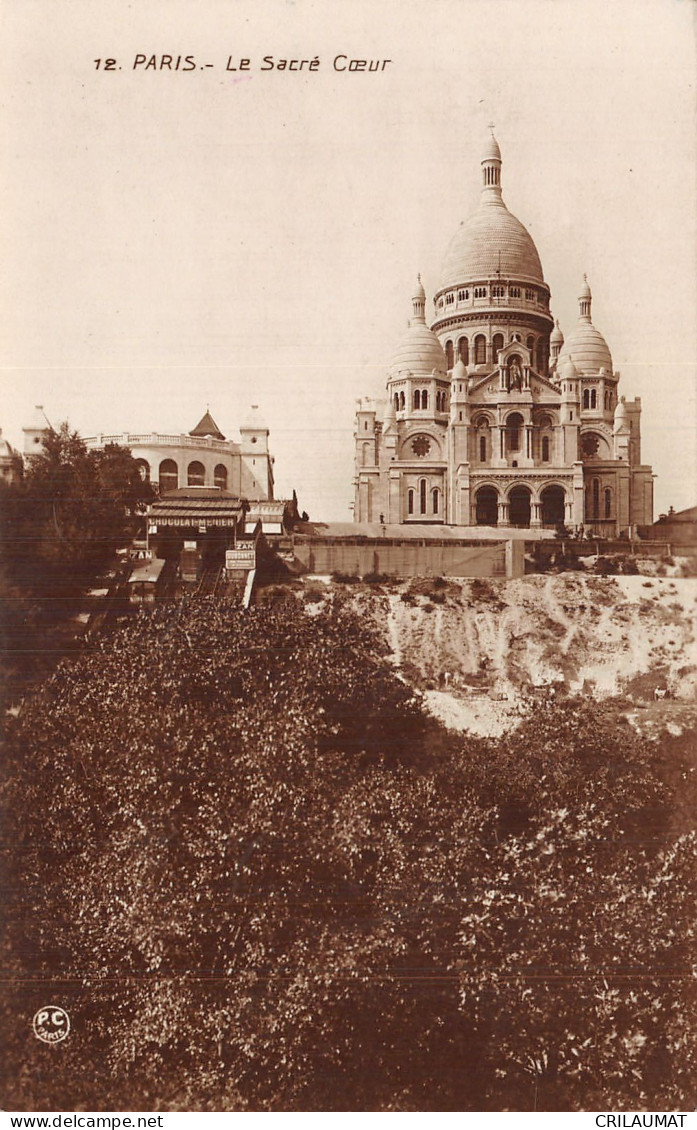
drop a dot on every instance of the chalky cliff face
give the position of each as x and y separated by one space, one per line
491 418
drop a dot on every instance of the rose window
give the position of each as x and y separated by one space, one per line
421 446
589 445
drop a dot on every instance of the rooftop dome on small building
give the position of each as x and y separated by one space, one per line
253 420
568 370
492 242
588 346
207 427
7 451
419 351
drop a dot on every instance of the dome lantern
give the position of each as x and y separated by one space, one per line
584 301
491 166
418 300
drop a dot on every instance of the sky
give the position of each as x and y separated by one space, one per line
177 239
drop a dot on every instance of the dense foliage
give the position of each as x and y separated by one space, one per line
259 878
61 523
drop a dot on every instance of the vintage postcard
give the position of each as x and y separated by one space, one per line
348 475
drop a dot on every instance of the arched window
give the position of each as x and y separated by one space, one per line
530 344
513 430
596 498
402 401
480 350
424 399
594 398
540 356
463 349
196 474
435 492
143 469
220 476
545 449
608 502
417 398
422 496
497 344
169 475
396 402
482 449
437 400
449 353
410 502
586 398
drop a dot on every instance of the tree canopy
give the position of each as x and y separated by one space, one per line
260 878
69 512
61 524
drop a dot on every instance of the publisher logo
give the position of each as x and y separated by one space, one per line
51 1024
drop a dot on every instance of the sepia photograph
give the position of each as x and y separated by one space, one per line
348 558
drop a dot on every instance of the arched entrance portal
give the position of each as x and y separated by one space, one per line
487 507
519 507
553 506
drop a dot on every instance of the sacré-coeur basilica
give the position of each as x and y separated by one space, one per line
491 417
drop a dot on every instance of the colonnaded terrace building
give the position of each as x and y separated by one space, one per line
202 457
491 417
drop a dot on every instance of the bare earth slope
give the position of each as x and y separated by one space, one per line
481 650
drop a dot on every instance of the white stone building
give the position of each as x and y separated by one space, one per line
201 458
491 418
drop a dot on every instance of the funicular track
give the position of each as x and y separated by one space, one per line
211 582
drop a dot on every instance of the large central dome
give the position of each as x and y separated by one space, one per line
492 243
489 242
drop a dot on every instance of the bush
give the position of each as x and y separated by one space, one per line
481 590
605 567
273 884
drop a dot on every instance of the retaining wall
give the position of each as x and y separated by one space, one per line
410 559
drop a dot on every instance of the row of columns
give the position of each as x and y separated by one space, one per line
535 513
498 442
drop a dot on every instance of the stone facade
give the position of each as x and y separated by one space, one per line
203 457
491 418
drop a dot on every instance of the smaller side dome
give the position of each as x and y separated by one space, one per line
569 372
459 372
621 416
419 353
556 336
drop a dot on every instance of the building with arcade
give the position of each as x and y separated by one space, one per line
491 417
202 457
